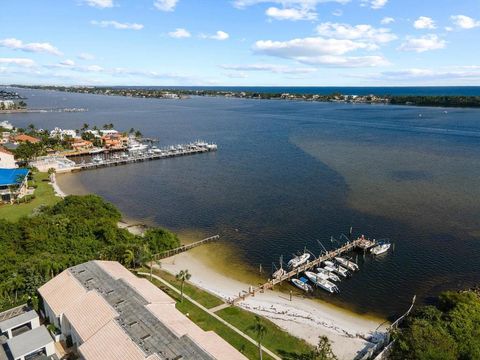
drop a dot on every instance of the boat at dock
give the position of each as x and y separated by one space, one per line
96 151
337 269
299 260
330 274
380 248
350 265
321 282
302 284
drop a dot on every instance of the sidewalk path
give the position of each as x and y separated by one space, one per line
166 283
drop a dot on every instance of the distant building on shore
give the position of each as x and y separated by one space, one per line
105 312
22 138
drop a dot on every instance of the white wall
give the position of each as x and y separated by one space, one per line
7 161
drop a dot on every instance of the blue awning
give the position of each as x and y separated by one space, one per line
12 176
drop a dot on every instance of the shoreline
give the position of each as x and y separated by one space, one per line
350 333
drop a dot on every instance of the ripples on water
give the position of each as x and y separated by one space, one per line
289 173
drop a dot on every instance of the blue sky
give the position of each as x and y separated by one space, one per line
240 42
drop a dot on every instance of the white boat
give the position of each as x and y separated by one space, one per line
135 146
299 260
330 266
380 249
321 282
95 151
350 265
279 273
97 160
330 274
302 285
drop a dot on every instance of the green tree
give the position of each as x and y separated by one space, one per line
128 258
183 275
260 330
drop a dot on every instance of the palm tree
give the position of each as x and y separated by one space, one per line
85 127
138 134
260 330
182 276
128 258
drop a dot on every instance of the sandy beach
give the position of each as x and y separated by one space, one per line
349 333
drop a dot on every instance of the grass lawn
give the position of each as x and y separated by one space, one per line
44 195
208 323
277 340
203 297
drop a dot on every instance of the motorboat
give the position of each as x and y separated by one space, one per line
97 160
321 282
302 284
95 151
135 146
299 260
350 265
330 274
380 249
337 269
279 273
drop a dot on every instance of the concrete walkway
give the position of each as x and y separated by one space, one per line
209 311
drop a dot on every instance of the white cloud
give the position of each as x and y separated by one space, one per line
424 22
278 69
305 4
338 12
179 33
448 28
219 35
86 56
290 14
24 62
387 20
361 32
67 63
320 51
101 4
117 25
374 4
16 44
465 22
423 43
165 5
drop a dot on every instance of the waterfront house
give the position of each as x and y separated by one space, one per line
5 137
114 141
21 138
6 125
103 311
62 133
80 144
7 159
13 184
7 104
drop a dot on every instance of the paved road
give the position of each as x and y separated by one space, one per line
271 353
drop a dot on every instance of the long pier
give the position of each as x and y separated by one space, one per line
360 243
184 248
141 158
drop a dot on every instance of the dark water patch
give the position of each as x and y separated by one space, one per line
411 175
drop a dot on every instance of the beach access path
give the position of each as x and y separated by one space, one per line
212 313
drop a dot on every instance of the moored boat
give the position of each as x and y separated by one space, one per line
302 284
337 269
350 265
331 275
380 249
320 281
299 260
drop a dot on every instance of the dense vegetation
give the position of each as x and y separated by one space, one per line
448 330
418 100
447 101
75 230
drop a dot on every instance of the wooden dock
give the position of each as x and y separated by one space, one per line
360 243
184 248
140 158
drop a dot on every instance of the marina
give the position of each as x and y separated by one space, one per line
302 265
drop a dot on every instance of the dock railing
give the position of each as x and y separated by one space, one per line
184 248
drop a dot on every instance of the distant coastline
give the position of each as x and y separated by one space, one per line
472 101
